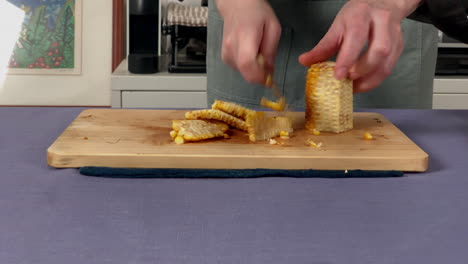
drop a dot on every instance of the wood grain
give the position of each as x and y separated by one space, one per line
139 138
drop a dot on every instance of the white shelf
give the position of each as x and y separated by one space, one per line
124 80
452 45
158 90
451 85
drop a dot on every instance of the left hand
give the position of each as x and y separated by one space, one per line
376 22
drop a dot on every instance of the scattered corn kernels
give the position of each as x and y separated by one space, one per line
368 136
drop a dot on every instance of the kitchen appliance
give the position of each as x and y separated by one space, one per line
143 27
452 57
186 27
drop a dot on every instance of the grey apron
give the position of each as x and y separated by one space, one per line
304 23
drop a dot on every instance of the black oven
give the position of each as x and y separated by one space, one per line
452 57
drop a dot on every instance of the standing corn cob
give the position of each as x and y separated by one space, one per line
329 102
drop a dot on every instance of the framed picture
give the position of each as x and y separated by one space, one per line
49 42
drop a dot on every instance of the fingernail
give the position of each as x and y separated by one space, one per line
340 73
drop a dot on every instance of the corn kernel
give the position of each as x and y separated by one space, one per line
315 132
173 134
273 141
232 109
179 140
368 136
311 143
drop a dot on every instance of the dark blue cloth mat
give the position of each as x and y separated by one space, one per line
230 173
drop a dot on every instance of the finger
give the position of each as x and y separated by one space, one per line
228 47
248 45
354 41
380 48
269 45
376 77
326 48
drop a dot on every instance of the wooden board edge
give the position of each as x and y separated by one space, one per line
61 160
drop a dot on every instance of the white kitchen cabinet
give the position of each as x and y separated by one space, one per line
178 90
158 90
450 92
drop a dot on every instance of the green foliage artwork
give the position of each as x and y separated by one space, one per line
47 38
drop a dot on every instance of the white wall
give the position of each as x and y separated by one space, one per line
91 88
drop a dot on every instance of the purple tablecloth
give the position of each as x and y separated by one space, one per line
52 216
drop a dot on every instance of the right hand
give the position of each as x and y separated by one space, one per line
250 29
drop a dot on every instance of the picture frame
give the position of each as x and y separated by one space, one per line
49 45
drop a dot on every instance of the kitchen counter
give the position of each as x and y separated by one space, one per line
50 216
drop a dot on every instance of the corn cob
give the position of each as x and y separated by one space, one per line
217 115
194 130
261 127
329 102
232 109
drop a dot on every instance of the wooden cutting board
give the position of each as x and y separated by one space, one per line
140 139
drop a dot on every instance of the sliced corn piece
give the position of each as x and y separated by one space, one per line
279 105
262 127
329 102
232 109
196 130
217 115
176 124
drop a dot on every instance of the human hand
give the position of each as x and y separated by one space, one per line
375 22
250 29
